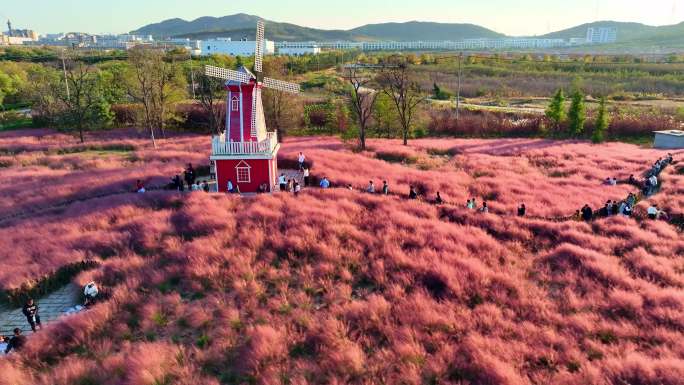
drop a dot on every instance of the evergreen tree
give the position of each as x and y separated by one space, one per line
436 91
556 111
577 113
602 123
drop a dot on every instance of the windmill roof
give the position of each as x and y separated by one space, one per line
248 72
242 69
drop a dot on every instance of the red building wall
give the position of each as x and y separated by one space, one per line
234 130
259 173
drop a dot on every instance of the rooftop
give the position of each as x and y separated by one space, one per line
671 132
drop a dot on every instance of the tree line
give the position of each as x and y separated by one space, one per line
574 119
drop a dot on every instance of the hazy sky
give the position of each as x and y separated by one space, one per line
513 17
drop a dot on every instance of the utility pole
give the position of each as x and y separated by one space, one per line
192 77
66 80
458 91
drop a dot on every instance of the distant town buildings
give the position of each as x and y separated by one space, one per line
601 35
227 46
17 36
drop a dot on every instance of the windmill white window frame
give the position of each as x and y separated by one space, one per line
243 171
234 104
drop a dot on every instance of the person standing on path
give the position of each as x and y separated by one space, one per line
282 181
30 310
306 177
301 158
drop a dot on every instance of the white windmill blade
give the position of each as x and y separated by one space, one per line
280 85
254 111
259 52
224 73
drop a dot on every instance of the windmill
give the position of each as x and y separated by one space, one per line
246 155
250 85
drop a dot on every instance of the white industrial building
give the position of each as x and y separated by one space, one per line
299 51
227 46
601 35
524 43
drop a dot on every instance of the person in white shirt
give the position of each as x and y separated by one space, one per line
90 292
306 176
652 211
301 158
371 188
297 188
194 187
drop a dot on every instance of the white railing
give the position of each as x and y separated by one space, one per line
219 146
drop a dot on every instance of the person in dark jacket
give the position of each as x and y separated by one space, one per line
438 199
413 194
522 210
30 310
190 175
587 213
16 342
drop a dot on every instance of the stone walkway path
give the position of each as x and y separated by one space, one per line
291 174
50 308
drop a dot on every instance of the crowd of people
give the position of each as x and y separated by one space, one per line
648 186
625 207
188 182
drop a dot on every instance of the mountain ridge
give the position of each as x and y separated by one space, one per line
242 25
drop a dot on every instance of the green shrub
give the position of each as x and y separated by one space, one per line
395 157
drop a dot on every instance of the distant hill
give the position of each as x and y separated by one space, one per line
627 32
416 30
242 25
238 26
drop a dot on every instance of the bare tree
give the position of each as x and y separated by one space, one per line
156 84
280 108
210 94
362 98
397 81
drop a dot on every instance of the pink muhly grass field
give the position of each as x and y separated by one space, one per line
340 286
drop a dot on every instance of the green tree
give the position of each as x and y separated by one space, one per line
556 109
74 100
385 116
602 123
680 113
577 114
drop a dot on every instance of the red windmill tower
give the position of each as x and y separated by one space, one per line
246 154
